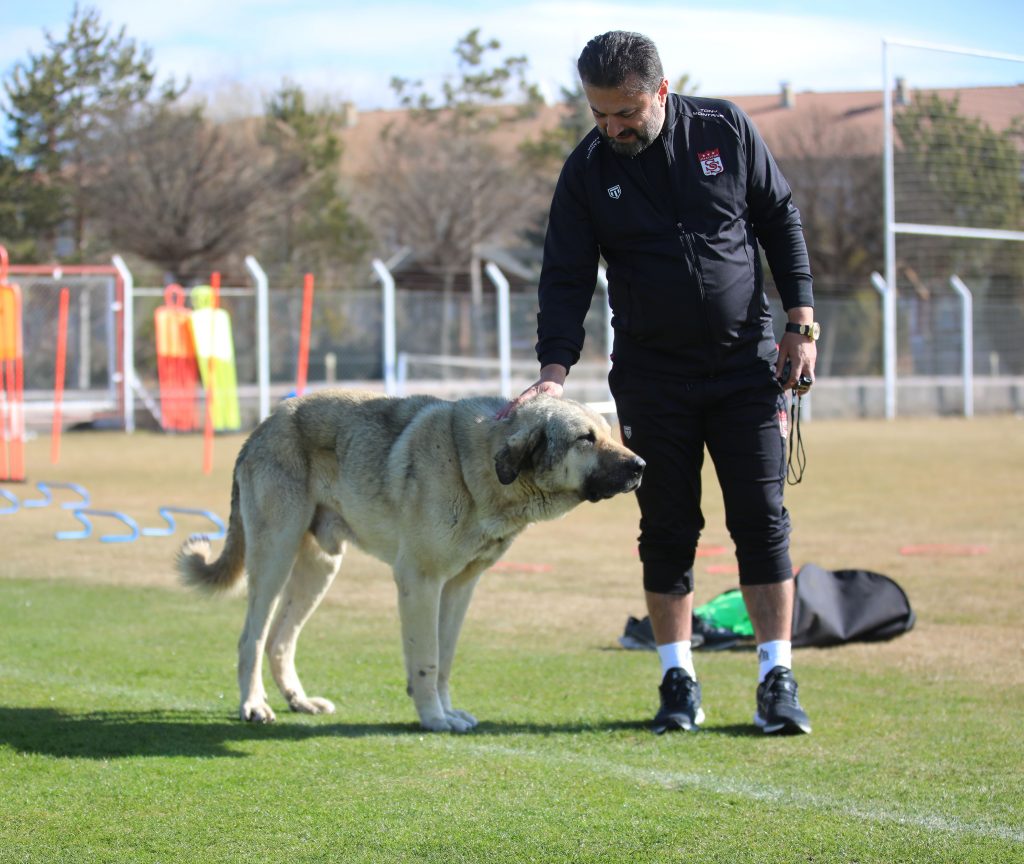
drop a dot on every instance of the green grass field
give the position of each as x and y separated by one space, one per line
118 741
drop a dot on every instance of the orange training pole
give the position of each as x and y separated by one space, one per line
58 374
208 428
307 321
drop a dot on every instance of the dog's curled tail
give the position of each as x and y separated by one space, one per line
193 562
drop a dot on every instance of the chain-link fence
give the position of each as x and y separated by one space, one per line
91 364
346 346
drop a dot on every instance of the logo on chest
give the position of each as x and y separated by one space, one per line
615 192
711 162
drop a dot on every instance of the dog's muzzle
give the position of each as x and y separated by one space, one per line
623 477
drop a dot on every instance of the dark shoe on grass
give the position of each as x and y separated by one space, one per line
778 709
680 704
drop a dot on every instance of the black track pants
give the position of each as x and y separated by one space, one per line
741 419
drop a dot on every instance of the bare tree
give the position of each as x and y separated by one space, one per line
449 179
445 196
836 176
445 183
181 192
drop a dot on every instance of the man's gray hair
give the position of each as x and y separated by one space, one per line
619 58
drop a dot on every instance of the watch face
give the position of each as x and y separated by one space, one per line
815 331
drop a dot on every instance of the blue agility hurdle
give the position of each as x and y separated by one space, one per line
47 499
13 505
171 527
83 514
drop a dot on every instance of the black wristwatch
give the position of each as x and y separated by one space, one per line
813 329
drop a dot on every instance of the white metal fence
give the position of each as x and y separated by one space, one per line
448 345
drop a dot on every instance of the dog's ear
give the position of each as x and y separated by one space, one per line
517 453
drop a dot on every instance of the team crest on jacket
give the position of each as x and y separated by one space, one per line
711 162
615 192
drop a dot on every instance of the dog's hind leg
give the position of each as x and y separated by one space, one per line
455 597
312 575
269 559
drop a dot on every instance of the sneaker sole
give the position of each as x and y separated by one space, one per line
678 726
785 728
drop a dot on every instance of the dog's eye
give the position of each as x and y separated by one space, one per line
588 438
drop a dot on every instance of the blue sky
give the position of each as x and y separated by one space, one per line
236 50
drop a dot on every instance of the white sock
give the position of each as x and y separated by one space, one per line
677 655
772 654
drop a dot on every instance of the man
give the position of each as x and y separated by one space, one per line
675 193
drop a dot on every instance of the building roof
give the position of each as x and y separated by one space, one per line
785 120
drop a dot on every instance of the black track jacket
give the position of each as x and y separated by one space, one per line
684 272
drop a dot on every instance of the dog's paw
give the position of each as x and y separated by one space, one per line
461 721
311 705
450 721
256 711
435 723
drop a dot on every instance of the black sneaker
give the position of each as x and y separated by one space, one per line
778 709
680 703
638 635
708 637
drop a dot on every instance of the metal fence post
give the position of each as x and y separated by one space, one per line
128 346
967 340
262 333
387 282
504 328
888 341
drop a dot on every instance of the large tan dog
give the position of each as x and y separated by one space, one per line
436 489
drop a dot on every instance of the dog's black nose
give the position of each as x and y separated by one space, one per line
637 465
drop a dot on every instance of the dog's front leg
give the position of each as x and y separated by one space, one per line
419 604
455 599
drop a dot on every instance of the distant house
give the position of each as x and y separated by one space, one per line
829 144
775 115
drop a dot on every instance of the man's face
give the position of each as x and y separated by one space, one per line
627 120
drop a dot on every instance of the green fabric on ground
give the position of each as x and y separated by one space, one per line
727 610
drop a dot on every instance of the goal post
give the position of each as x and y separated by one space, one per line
940 179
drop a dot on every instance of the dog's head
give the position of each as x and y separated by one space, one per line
562 447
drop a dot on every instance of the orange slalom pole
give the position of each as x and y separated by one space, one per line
307 322
58 384
208 428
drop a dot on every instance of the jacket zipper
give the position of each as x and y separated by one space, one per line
686 238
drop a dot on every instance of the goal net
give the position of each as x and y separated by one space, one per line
954 210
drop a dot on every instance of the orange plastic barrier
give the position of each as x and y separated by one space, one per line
12 379
176 362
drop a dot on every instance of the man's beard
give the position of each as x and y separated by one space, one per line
639 139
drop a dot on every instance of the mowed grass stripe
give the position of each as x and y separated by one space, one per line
718 784
46 678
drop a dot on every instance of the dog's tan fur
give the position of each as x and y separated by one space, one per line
436 489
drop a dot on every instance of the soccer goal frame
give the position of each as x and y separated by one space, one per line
893 228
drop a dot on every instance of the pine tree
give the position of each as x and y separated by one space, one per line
60 103
313 226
